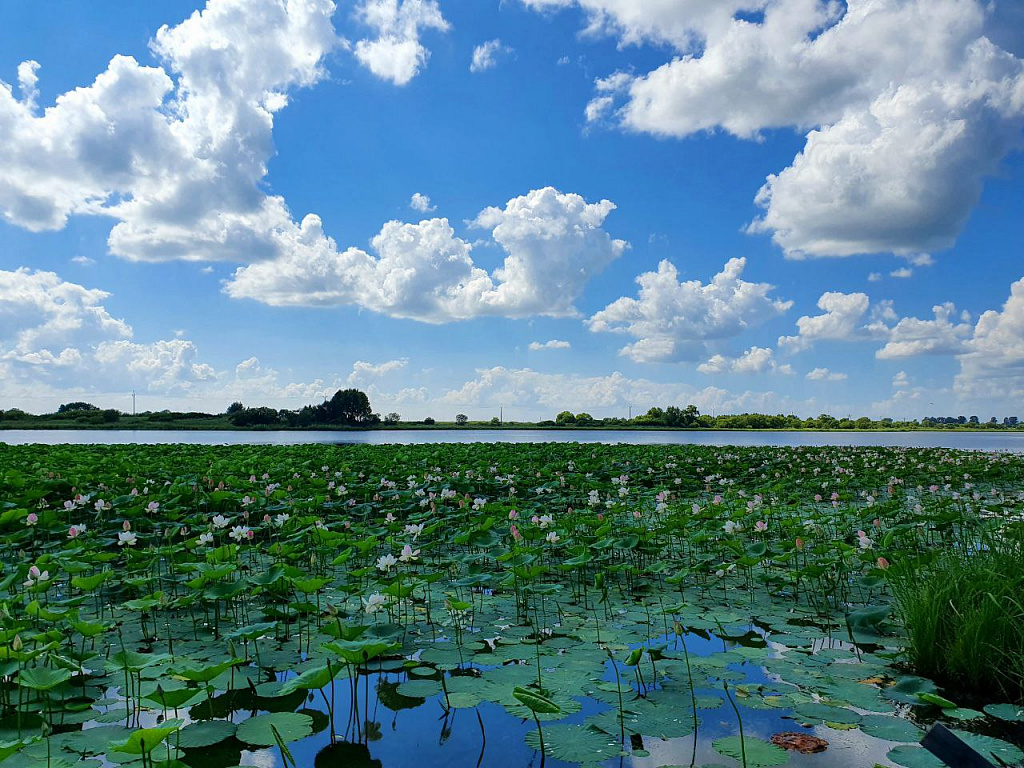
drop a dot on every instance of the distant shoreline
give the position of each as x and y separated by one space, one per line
449 426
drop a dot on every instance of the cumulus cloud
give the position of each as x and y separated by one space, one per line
421 203
907 102
396 54
674 320
536 394
60 334
992 363
943 335
754 360
175 154
553 242
363 371
844 317
58 341
824 374
552 344
485 55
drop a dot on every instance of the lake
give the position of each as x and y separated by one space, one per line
975 441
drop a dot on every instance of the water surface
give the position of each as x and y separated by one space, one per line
976 441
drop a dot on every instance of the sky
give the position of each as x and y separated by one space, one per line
516 206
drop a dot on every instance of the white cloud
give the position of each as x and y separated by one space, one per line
28 83
59 334
824 374
845 318
902 273
912 337
421 203
485 55
83 261
526 393
58 342
673 320
553 242
901 380
754 360
552 344
397 54
874 277
902 173
363 372
679 23
919 259
992 365
176 154
909 106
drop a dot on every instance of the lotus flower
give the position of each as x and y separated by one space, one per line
374 602
35 576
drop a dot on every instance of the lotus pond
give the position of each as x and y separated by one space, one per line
484 605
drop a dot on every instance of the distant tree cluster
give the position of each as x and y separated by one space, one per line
348 407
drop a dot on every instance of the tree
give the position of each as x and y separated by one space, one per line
461 419
565 417
349 406
428 421
253 417
584 419
392 418
76 407
235 407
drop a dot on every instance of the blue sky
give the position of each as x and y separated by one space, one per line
273 199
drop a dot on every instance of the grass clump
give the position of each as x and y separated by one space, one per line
964 616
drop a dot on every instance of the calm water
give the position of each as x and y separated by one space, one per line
976 441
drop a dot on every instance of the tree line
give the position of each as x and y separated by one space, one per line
351 408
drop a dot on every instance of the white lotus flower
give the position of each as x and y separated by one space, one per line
374 602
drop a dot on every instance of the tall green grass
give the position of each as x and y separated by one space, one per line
964 616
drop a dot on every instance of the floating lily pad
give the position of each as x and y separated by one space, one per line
575 743
205 734
1011 713
290 725
755 752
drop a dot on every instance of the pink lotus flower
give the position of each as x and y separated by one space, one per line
761 526
126 526
515 533
513 515
32 519
799 543
882 563
717 499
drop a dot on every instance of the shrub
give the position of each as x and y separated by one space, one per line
964 616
